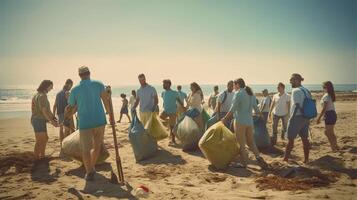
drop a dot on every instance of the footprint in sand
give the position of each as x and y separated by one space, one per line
214 178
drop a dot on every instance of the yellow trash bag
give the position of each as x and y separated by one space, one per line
219 145
155 128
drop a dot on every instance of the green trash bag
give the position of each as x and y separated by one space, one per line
72 148
205 116
219 145
144 146
155 128
188 132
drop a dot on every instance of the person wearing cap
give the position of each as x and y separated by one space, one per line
264 105
146 96
87 98
298 124
59 106
280 109
170 97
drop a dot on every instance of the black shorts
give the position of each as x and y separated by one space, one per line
330 117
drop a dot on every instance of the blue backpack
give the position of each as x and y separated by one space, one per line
308 109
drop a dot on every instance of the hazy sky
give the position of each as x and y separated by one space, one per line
205 41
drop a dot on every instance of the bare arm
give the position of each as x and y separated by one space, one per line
156 102
228 116
180 102
210 101
289 105
105 95
218 108
137 101
55 106
271 108
322 112
69 111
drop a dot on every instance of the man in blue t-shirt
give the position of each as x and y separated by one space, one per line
87 97
60 105
183 98
146 96
170 97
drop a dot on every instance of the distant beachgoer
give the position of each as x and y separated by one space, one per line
194 102
59 106
170 97
264 105
298 124
183 99
41 114
225 102
132 100
147 97
212 100
88 98
241 109
280 108
68 122
329 113
124 108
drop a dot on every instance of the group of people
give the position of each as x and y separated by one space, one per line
234 107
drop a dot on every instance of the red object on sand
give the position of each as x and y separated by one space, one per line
144 188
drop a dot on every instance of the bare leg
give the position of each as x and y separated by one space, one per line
289 148
128 117
44 139
37 147
329 132
121 116
306 146
199 121
61 135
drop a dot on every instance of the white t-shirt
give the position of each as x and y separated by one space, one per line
328 100
266 103
228 102
281 104
132 101
195 101
146 95
297 97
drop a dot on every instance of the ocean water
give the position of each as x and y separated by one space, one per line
16 101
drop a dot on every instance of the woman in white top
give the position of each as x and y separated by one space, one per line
329 113
194 102
132 100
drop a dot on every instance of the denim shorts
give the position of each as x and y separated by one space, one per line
39 125
298 125
330 117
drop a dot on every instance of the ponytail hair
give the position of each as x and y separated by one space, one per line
249 90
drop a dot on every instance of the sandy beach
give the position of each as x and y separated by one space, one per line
174 174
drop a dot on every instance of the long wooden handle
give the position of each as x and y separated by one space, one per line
117 156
